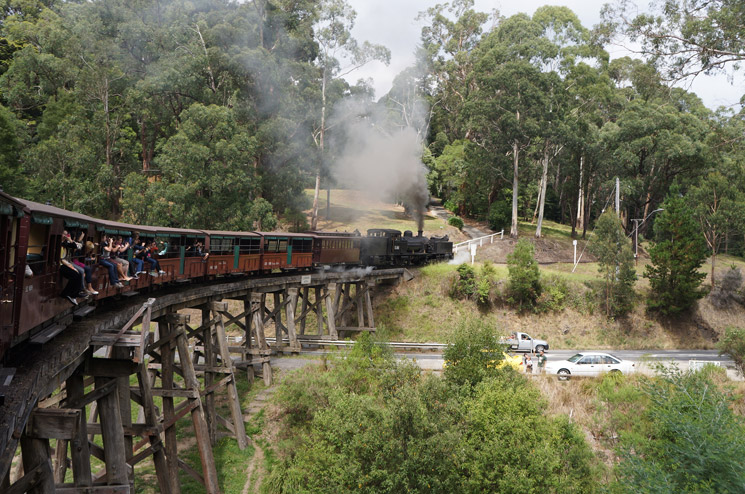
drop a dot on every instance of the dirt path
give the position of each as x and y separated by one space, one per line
470 230
255 469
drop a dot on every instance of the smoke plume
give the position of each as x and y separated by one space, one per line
384 162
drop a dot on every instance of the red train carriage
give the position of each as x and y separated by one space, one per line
336 248
40 231
233 252
12 253
177 253
286 251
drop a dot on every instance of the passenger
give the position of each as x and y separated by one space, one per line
116 257
79 261
150 251
198 250
528 364
68 270
105 261
138 257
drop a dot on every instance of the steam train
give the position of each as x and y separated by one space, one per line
31 247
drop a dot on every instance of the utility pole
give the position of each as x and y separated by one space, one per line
636 240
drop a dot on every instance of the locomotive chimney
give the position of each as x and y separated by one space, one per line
419 233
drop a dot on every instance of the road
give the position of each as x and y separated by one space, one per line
645 358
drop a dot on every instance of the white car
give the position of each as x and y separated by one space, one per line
589 364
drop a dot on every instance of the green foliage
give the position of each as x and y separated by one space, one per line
524 276
513 447
733 345
616 264
10 151
499 215
694 442
403 432
465 287
676 255
471 355
456 222
554 294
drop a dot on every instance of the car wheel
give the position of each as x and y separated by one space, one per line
540 348
563 375
615 372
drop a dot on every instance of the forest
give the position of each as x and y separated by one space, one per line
222 114
218 114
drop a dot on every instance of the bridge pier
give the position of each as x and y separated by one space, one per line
77 386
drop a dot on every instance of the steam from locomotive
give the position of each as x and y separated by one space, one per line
384 163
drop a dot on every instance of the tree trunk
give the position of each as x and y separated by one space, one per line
515 156
542 193
314 212
581 195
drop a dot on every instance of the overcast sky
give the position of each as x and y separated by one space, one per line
393 23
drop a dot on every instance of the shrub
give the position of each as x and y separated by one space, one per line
450 205
456 222
500 215
488 270
733 344
727 291
467 362
524 276
554 294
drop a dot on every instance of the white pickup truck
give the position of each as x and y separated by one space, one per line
523 342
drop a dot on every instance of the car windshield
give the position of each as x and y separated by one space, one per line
616 360
574 358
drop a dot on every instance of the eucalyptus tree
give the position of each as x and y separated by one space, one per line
683 37
339 54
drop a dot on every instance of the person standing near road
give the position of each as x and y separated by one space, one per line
528 364
542 362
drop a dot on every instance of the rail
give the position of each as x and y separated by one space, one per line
479 240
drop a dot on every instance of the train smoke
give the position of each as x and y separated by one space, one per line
385 163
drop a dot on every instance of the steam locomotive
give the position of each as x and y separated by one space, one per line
30 250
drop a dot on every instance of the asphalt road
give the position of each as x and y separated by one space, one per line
644 358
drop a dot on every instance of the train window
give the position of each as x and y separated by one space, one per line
221 245
302 245
283 245
271 245
37 247
250 245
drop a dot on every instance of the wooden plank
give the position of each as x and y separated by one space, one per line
96 489
193 473
80 454
150 415
110 367
47 334
200 426
61 462
331 318
171 446
368 304
53 423
30 481
111 431
35 454
95 395
175 393
233 401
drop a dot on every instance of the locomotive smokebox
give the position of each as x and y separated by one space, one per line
419 233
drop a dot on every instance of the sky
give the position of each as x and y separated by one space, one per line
393 24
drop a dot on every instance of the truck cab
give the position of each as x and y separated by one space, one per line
523 342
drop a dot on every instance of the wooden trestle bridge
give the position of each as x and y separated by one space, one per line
77 385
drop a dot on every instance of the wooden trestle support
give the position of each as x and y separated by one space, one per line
90 413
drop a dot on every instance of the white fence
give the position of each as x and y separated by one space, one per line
477 241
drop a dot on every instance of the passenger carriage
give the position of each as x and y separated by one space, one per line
336 248
286 251
233 252
12 253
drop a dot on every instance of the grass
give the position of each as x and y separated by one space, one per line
421 311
